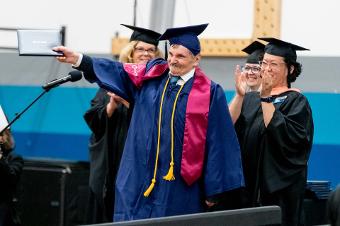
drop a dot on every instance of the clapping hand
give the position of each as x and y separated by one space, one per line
267 84
240 81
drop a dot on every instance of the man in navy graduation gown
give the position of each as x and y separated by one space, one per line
181 151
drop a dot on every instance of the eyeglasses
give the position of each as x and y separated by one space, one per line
249 69
272 65
142 50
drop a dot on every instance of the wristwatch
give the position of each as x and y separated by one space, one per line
269 99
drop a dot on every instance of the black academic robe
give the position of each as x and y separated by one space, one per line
10 170
106 147
275 158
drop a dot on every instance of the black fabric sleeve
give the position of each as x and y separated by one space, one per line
96 117
10 169
233 199
292 129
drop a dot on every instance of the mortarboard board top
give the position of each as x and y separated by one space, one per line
255 51
185 36
281 48
143 34
253 46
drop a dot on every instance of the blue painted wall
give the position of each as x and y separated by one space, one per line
54 126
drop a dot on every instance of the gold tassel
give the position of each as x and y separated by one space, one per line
170 176
150 188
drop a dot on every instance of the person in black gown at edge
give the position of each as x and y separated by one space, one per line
275 131
11 166
109 118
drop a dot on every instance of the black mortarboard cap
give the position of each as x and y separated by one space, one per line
185 36
281 48
255 51
143 34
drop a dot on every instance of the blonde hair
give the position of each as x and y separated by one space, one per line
127 52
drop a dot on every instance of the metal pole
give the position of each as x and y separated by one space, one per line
162 17
135 13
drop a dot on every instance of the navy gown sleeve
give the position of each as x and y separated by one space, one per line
223 167
109 75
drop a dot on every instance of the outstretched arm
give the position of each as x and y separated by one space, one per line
108 74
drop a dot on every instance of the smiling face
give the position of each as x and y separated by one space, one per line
143 52
181 60
253 76
276 68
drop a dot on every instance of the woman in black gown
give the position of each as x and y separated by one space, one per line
275 131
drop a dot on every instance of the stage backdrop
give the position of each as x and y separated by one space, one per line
54 126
